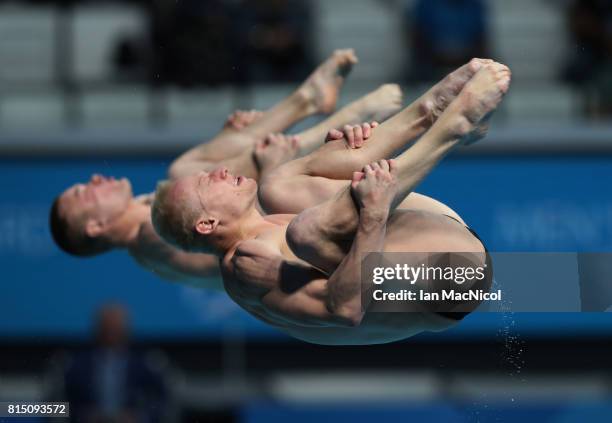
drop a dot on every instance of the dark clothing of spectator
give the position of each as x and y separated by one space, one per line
193 42
590 63
590 27
275 40
113 385
445 35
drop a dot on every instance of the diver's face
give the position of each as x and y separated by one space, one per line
101 199
219 193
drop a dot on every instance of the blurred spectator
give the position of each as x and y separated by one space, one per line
590 61
110 382
588 22
445 35
192 42
275 39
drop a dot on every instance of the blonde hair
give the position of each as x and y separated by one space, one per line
174 222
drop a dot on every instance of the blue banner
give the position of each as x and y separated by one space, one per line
517 204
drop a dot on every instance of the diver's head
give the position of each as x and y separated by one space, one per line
82 215
203 212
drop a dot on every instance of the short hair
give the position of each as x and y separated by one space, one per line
71 240
176 225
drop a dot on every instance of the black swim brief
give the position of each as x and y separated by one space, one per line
459 315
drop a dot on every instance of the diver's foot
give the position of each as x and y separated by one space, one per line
438 98
380 104
322 88
467 117
241 119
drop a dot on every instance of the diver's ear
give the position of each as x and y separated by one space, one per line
94 228
206 225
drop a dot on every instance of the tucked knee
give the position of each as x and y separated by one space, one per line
302 235
179 168
273 196
311 242
174 170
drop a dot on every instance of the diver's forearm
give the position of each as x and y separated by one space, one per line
344 286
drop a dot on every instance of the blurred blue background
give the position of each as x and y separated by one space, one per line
516 203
